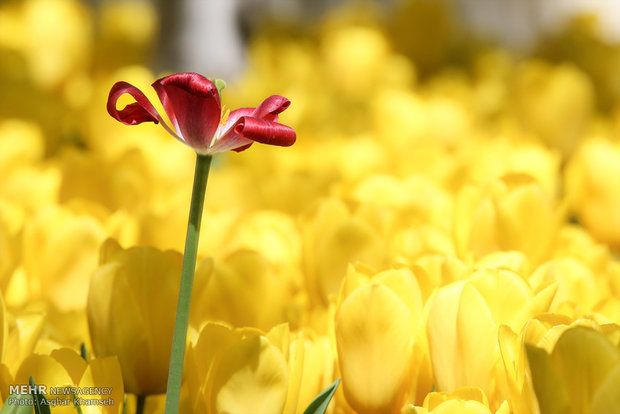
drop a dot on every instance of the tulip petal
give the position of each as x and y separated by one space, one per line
251 377
584 358
192 102
550 391
271 107
265 132
248 130
442 336
104 373
607 397
140 111
268 110
235 115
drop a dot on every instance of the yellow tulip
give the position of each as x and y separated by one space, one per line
554 102
244 289
580 375
578 285
542 334
486 161
463 323
333 237
377 323
98 381
591 179
311 369
131 307
271 233
466 400
514 213
237 371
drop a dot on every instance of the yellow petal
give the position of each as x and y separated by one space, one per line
584 358
48 372
461 407
504 292
105 374
213 340
252 375
131 307
477 346
73 363
606 399
442 336
550 390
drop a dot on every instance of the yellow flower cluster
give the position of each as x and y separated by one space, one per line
441 236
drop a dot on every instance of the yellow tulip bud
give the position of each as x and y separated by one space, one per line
377 323
131 309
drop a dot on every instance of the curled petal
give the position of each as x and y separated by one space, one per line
140 111
248 130
192 103
271 107
265 132
268 109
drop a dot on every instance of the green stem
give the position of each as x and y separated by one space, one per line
140 404
175 373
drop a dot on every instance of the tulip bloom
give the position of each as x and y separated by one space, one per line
192 103
124 285
581 374
377 322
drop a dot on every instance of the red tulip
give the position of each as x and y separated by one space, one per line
192 103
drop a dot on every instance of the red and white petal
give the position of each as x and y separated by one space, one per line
230 142
248 130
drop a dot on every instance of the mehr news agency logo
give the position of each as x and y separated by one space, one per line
27 394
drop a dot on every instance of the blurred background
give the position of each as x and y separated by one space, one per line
459 91
56 49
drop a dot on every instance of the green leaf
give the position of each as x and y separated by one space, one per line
83 352
15 405
41 405
320 403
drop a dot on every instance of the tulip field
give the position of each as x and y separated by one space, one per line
400 217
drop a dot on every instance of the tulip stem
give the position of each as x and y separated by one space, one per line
140 404
175 374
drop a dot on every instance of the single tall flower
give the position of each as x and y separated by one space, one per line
192 103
